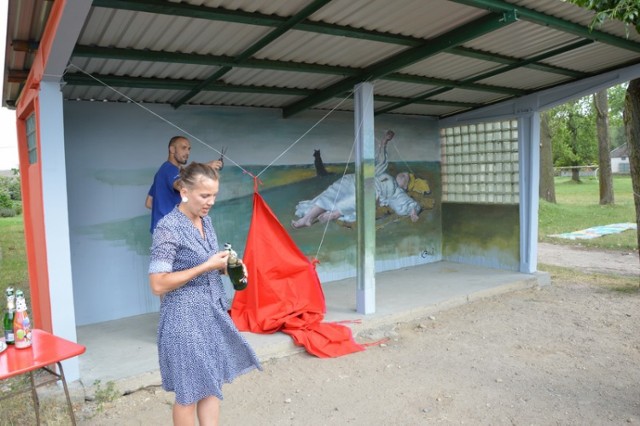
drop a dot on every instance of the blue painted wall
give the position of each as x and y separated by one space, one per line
113 151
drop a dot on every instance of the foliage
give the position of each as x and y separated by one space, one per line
10 195
573 134
13 257
106 394
627 11
578 208
616 96
7 212
11 184
5 199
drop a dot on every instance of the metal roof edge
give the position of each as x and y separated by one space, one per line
544 99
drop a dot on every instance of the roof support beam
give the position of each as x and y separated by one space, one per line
498 6
210 60
507 60
395 99
386 66
79 79
254 48
525 62
252 18
220 14
452 84
486 75
172 57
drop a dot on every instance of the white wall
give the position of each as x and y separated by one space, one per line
113 150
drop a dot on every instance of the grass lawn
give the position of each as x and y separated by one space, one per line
578 208
13 258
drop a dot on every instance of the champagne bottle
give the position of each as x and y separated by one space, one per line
21 322
235 269
8 316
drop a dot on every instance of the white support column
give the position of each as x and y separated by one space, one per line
56 218
365 199
529 160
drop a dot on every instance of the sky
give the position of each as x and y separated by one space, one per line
8 141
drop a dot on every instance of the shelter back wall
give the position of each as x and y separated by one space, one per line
113 151
482 234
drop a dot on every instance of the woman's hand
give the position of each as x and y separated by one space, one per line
218 261
166 281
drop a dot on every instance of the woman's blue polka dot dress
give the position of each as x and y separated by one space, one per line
199 347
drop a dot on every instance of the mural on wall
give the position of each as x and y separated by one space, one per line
108 219
482 234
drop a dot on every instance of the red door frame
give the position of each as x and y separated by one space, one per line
31 177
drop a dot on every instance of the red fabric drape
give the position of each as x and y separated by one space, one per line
284 292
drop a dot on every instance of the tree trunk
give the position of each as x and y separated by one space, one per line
632 127
604 146
573 131
547 190
575 175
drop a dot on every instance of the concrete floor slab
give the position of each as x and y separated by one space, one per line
125 350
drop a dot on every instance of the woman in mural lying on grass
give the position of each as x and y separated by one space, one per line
338 201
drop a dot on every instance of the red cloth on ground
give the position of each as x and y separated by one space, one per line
284 291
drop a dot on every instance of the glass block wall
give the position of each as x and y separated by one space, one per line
480 163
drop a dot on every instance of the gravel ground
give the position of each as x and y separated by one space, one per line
565 354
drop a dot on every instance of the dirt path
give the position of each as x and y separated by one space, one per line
601 261
563 354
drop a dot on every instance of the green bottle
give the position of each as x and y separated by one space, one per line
9 313
235 269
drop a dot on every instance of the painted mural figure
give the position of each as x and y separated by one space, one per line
199 346
338 201
164 193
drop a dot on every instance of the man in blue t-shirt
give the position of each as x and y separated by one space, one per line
164 193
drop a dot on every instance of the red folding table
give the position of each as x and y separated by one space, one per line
45 351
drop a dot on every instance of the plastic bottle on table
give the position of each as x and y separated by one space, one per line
21 322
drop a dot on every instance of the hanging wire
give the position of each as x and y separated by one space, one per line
344 172
156 115
306 133
359 128
402 159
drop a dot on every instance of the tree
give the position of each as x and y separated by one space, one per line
601 104
627 11
573 136
547 189
616 95
632 124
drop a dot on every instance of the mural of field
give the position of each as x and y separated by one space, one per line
283 187
476 233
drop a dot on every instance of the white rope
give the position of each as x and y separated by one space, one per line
230 159
402 159
157 115
344 172
305 133
335 200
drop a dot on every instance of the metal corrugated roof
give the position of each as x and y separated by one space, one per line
427 57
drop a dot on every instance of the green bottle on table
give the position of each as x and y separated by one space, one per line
9 313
